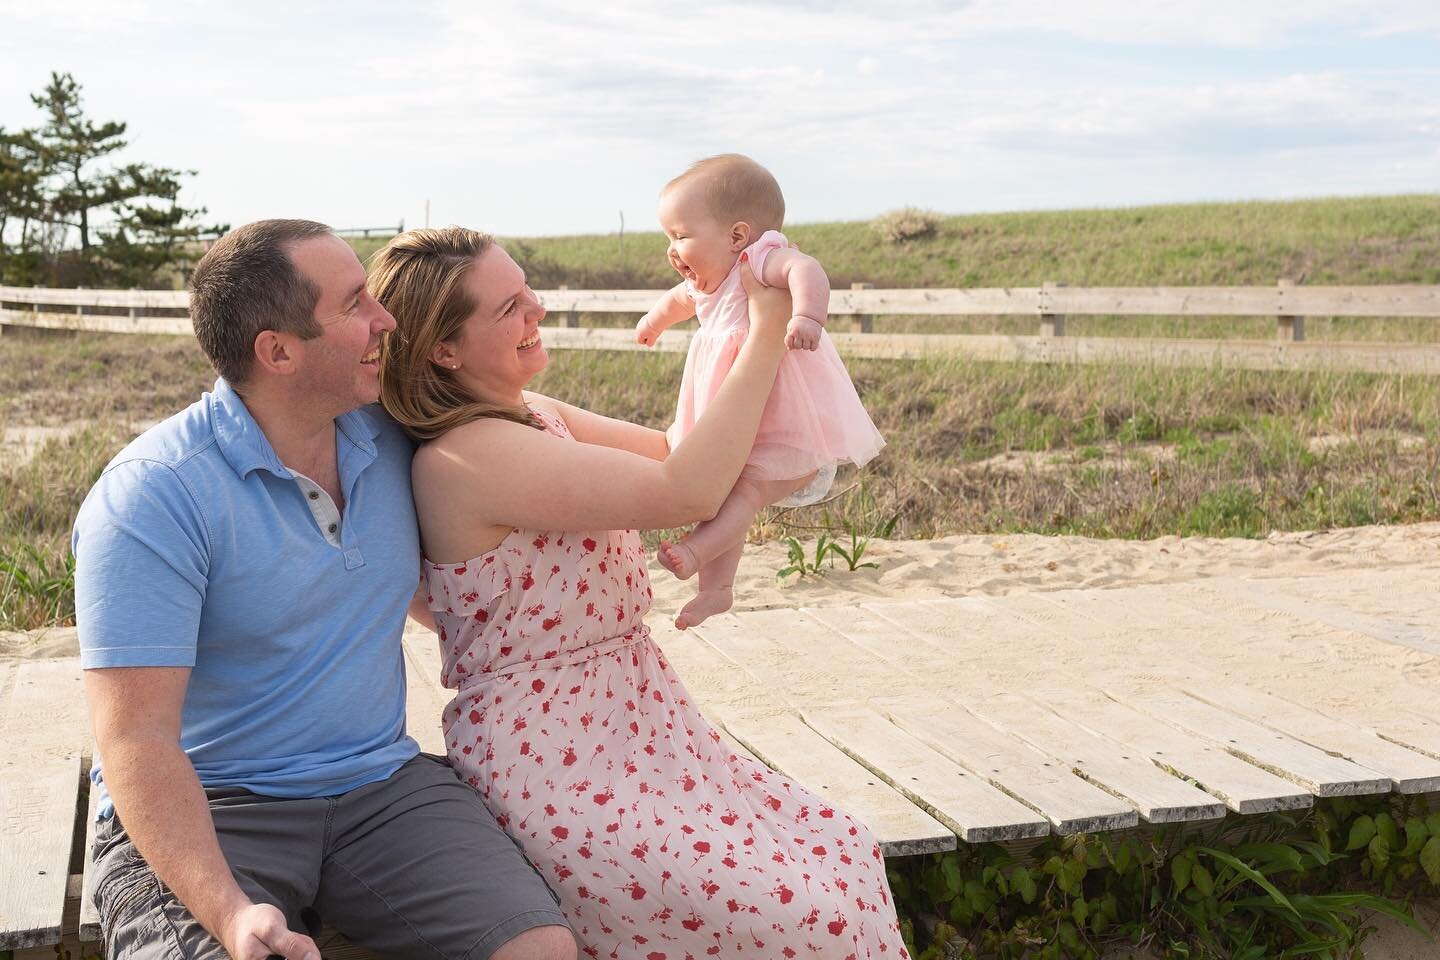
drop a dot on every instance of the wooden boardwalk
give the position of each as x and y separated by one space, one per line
941 722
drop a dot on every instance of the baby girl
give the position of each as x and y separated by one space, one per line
720 214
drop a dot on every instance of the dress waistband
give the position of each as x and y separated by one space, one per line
566 659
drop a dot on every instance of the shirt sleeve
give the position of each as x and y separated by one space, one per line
141 564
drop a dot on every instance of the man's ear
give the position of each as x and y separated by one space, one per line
740 236
278 353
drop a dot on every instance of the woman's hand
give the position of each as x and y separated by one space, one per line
769 306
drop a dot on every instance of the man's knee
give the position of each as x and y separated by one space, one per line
539 943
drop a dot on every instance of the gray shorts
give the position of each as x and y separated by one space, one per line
412 866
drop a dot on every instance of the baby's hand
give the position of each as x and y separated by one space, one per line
802 333
645 332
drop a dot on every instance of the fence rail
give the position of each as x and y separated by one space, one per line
852 312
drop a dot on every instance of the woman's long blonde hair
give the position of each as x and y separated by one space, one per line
419 277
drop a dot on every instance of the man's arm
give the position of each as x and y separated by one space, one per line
135 717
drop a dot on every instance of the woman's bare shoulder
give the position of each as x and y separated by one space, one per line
456 449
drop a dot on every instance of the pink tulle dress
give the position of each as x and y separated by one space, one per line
660 841
813 421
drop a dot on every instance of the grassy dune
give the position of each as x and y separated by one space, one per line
1368 240
1121 451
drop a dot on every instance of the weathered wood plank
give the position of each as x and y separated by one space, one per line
1268 648
809 663
713 682
1399 300
45 737
1271 595
1157 796
1387 358
1038 780
966 804
1284 756
1409 771
1244 787
174 299
89 921
785 743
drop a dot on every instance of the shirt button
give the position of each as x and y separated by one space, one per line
332 528
314 495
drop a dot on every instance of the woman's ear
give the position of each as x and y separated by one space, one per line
740 236
443 355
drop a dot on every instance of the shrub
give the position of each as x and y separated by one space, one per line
908 223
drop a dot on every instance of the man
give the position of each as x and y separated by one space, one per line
243 572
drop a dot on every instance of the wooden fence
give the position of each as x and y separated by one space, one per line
852 312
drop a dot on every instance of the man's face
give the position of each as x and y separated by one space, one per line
341 367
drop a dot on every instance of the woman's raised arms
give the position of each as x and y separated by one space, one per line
483 478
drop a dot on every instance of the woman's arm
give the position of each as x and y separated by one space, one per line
673 307
495 473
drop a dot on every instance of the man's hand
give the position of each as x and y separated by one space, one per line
802 333
258 931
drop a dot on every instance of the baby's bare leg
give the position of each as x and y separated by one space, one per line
729 526
716 594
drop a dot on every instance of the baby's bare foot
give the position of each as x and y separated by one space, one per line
706 604
677 558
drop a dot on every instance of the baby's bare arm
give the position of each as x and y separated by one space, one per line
809 288
673 307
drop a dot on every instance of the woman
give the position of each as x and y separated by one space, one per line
659 841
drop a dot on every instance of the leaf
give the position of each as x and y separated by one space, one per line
1362 831
1378 851
1252 874
1023 883
1080 910
950 868
1432 823
1385 826
1202 880
1430 859
1180 872
1415 836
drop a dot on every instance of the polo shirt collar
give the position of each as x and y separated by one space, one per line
245 446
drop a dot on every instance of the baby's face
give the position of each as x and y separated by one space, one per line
701 247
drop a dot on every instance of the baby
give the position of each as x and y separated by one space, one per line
718 214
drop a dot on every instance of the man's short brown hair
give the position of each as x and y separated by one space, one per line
247 283
736 188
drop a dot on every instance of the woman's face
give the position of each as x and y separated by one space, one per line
498 350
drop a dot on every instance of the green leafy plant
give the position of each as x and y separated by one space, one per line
799 563
1263 887
860 541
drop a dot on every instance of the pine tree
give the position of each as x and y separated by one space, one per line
73 148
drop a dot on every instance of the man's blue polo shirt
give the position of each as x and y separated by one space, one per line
198 548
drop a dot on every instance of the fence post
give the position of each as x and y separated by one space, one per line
572 316
132 312
1051 324
79 308
1287 325
862 322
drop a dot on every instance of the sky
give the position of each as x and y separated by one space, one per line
554 117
